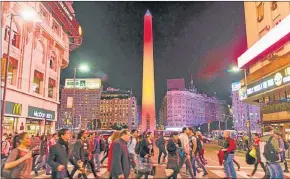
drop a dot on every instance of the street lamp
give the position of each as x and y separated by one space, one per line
81 68
27 15
235 69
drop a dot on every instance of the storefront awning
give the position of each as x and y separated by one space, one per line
272 41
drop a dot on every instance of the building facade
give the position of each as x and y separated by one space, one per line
244 114
267 62
80 103
118 107
188 108
38 51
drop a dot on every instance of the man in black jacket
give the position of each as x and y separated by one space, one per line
59 156
120 159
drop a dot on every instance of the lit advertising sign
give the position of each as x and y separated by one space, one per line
236 86
279 78
66 10
279 33
88 83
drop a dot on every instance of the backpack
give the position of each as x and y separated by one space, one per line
269 151
198 145
157 142
286 145
102 145
138 147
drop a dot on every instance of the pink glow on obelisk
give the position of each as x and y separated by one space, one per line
148 88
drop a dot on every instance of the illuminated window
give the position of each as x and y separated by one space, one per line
52 62
51 87
12 71
260 12
37 82
273 5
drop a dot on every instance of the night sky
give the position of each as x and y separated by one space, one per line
201 38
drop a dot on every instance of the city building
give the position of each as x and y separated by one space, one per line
80 103
39 49
118 108
244 114
188 108
267 62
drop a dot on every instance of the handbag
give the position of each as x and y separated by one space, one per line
145 166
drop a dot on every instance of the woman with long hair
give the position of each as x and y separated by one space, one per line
115 136
19 162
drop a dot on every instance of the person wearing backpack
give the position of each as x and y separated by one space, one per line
198 153
269 148
283 145
160 143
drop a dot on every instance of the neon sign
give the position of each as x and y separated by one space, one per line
277 79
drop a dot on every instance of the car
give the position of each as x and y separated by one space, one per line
207 140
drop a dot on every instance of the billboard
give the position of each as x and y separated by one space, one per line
175 83
84 83
236 86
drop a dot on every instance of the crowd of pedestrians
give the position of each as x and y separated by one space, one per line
130 152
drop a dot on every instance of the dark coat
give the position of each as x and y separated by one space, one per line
78 151
59 155
120 159
173 156
144 149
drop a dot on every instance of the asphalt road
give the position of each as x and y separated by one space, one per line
213 167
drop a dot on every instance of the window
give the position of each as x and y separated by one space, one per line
43 14
7 32
260 12
55 27
51 87
37 82
12 71
52 62
273 5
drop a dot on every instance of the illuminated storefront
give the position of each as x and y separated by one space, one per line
36 119
32 127
12 112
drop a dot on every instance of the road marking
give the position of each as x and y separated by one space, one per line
211 160
219 173
211 166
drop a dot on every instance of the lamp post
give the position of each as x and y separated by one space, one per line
83 68
27 15
236 70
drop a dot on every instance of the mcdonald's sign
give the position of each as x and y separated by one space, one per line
13 108
17 109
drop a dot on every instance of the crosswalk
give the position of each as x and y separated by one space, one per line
214 172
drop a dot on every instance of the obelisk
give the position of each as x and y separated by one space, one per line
148 87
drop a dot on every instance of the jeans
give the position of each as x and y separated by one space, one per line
275 170
162 150
187 161
97 161
193 165
229 166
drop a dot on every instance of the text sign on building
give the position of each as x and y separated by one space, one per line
279 78
89 83
40 113
13 108
236 86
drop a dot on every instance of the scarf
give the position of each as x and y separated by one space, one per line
65 144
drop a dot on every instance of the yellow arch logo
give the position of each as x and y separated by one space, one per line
17 109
